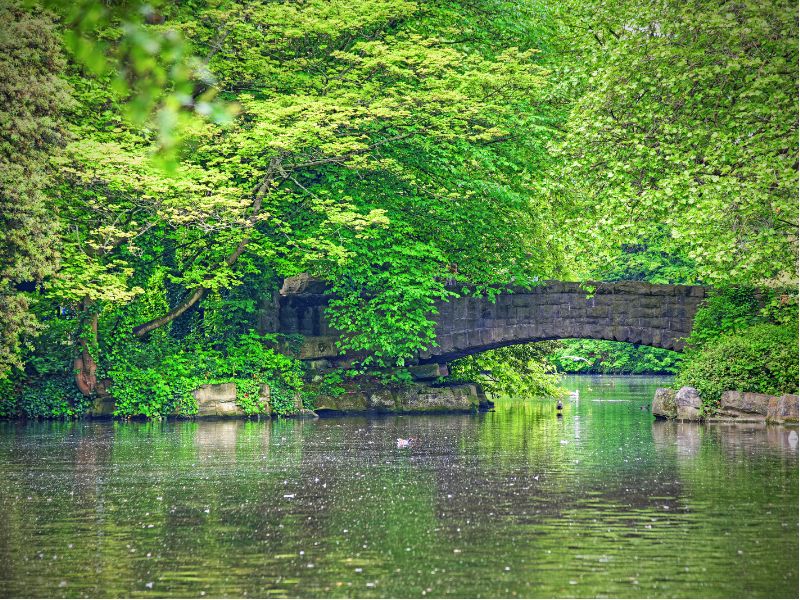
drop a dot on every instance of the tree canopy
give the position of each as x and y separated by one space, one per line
686 126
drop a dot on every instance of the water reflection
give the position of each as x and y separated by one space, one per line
603 501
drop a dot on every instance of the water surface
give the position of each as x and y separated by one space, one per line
601 502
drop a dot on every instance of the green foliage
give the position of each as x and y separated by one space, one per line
331 384
359 152
517 371
685 119
651 259
32 101
601 356
145 60
156 387
759 358
401 150
52 398
727 309
743 340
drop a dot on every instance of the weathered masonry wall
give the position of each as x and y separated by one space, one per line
640 313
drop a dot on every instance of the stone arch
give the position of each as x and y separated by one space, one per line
635 312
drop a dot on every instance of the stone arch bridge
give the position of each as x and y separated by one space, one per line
640 313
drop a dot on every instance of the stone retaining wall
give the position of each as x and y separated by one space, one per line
409 398
219 400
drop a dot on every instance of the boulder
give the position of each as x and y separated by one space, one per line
420 398
782 409
664 406
415 397
688 404
743 406
351 401
381 400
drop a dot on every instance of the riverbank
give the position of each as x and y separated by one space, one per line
686 404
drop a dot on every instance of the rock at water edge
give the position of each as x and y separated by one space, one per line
664 406
688 404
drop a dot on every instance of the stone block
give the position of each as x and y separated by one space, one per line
658 338
356 401
429 371
619 333
419 398
316 347
264 398
662 290
319 364
635 335
650 312
303 284
597 311
445 343
742 404
664 406
102 407
656 302
688 404
518 300
603 289
632 287
217 400
460 341
697 291
381 400
460 308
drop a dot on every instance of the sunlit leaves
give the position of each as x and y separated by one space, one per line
688 119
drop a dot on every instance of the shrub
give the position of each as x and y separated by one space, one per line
156 389
54 398
760 358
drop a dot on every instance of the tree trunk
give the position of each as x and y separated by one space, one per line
85 365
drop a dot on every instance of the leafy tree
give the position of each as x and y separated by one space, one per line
602 356
685 119
372 146
32 100
519 371
399 149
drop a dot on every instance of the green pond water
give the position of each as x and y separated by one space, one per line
513 503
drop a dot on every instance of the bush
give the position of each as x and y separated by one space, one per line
54 398
155 389
760 358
